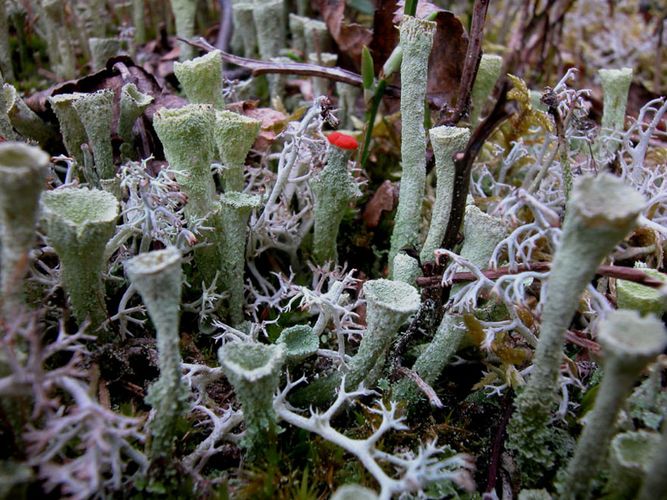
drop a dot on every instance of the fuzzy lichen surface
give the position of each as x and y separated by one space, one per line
487 74
79 224
103 49
630 456
482 233
629 343
234 136
655 480
236 209
416 40
615 87
242 13
269 16
300 342
74 135
334 188
6 129
406 269
23 170
184 15
254 372
5 52
631 295
187 137
96 114
158 278
446 141
600 213
24 120
201 79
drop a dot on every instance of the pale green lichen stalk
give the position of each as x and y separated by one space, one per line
5 53
74 135
269 17
416 40
487 75
201 79
406 269
79 224
184 15
234 136
244 23
103 49
95 112
655 480
158 278
236 209
631 295
300 342
23 119
446 141
62 51
132 105
600 213
629 343
615 88
334 188
187 138
254 372
23 171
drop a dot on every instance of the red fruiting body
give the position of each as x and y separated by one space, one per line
343 141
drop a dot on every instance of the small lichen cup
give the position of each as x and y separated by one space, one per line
254 370
201 79
300 342
79 223
234 135
23 170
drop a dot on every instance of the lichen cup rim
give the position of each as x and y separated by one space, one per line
155 262
231 356
196 61
393 295
18 155
605 197
288 335
104 204
637 438
626 334
237 199
183 113
448 133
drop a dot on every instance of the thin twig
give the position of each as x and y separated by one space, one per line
624 273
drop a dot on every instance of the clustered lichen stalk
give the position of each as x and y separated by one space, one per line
73 133
65 61
158 278
201 79
254 372
23 170
628 343
187 138
446 141
234 136
95 111
487 75
600 213
334 188
79 224
236 209
416 39
184 15
132 105
481 233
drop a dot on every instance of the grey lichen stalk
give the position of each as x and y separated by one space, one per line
628 343
24 120
269 16
416 39
244 22
236 209
615 88
184 15
158 278
487 75
23 170
65 63
201 79
631 455
600 213
234 136
655 481
254 372
95 112
406 269
103 49
446 141
132 105
79 224
74 135
334 188
5 52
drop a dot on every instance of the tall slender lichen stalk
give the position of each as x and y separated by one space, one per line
65 65
416 39
254 372
158 278
487 75
132 105
201 79
234 136
615 88
184 15
269 16
23 170
446 141
628 343
139 21
236 209
95 112
74 135
334 188
79 223
23 119
600 213
5 53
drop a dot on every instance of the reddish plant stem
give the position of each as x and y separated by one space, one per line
498 441
619 272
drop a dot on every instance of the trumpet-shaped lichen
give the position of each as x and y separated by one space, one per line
201 79
234 136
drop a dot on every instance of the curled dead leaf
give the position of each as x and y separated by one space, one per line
383 200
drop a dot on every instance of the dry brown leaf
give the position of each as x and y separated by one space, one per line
383 200
350 37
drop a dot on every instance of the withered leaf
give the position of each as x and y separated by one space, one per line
350 37
385 34
383 200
